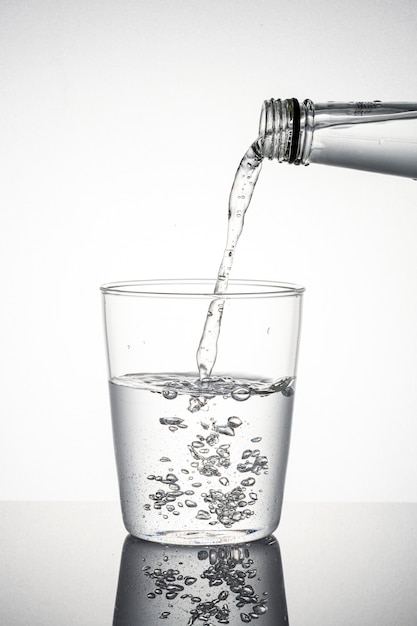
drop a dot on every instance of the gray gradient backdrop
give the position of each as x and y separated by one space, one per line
122 123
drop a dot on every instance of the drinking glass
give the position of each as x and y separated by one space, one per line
201 460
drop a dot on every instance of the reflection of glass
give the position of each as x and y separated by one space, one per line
201 585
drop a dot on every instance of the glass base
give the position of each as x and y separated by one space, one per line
199 538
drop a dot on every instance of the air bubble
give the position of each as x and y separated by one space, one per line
212 556
171 595
169 394
248 482
241 394
212 439
190 503
226 430
234 421
288 392
204 515
170 421
196 404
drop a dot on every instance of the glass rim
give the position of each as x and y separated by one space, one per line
182 288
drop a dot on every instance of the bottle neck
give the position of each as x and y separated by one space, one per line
286 130
371 136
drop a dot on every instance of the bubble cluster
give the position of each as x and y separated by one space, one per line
168 582
211 609
209 461
232 566
229 567
165 498
233 422
254 462
228 507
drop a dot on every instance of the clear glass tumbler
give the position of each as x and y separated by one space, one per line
201 461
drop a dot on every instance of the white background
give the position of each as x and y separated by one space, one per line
122 123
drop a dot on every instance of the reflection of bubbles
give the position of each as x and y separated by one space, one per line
193 585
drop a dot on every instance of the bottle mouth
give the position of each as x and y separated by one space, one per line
279 129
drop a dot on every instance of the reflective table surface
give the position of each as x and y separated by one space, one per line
72 564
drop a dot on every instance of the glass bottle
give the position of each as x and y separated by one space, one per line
370 136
